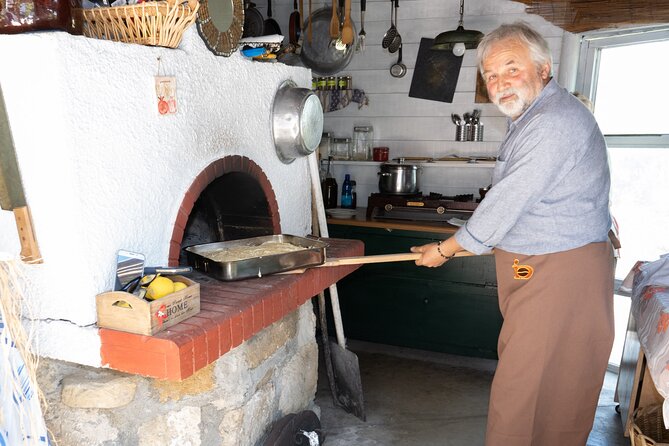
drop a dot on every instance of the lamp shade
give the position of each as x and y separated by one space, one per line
447 40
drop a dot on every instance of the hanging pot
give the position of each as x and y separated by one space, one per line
297 121
325 56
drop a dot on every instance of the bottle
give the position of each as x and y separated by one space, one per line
346 193
330 189
354 195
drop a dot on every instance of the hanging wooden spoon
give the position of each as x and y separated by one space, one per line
347 33
334 22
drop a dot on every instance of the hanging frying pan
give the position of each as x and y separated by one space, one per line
398 69
294 25
271 26
321 53
253 21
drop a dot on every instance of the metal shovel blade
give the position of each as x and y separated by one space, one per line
347 377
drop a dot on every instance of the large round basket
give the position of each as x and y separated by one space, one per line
157 23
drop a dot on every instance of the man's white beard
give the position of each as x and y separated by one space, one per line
513 108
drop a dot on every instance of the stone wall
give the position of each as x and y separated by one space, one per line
232 402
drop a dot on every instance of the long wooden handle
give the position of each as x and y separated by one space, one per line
381 258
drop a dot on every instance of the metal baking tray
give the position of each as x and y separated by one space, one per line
312 254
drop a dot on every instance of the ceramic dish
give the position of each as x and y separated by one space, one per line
341 213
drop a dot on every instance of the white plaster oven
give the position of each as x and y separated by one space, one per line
103 170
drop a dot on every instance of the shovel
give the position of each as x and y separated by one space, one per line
347 388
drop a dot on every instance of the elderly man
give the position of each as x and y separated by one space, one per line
547 218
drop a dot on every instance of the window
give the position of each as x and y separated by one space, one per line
623 73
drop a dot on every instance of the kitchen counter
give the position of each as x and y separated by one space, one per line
360 220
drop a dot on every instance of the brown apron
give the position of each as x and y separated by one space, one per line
554 345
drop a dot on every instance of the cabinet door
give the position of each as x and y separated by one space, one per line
450 309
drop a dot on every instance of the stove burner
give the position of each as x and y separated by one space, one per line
419 207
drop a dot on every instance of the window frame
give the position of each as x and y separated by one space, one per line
591 45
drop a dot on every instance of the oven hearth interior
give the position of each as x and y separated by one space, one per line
233 206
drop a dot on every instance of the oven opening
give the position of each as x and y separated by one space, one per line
235 205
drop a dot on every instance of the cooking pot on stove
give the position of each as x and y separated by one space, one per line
297 121
399 178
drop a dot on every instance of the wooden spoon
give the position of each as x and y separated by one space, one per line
347 33
334 22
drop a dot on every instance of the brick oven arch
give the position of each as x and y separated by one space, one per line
218 168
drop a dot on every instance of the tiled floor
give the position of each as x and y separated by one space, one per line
417 398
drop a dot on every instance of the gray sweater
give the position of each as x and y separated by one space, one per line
550 184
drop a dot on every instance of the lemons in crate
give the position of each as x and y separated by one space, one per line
178 286
159 287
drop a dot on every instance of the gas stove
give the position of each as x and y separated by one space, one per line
432 207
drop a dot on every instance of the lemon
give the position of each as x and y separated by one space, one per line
159 287
179 286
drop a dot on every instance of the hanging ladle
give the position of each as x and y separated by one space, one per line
397 40
398 69
392 31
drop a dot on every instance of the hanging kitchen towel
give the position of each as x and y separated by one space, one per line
436 73
333 100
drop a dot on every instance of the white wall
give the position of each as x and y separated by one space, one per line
412 126
102 170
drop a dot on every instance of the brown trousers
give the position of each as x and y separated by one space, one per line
554 346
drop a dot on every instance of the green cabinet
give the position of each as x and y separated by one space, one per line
451 309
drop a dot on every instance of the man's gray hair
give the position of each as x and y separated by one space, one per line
522 32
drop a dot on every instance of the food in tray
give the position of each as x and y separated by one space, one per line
236 253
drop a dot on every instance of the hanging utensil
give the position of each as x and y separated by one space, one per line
397 40
398 69
271 26
254 23
334 21
347 33
390 34
294 29
362 34
310 34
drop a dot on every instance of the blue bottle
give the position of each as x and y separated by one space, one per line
347 193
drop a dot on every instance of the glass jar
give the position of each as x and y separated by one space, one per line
325 146
363 139
341 148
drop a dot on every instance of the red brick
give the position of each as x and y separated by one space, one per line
236 330
258 317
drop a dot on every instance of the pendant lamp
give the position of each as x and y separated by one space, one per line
459 39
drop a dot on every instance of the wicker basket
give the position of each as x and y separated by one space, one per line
158 23
648 427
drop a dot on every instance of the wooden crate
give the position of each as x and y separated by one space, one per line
126 312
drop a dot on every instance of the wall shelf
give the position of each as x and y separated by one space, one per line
434 164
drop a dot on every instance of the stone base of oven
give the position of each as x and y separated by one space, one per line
231 402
